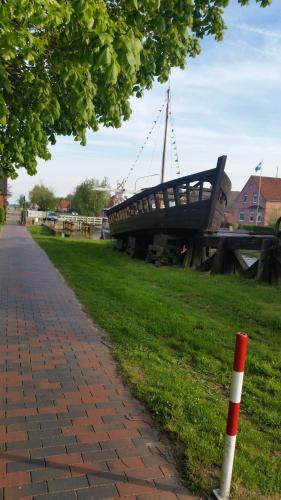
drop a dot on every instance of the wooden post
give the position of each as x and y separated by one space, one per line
223 262
263 273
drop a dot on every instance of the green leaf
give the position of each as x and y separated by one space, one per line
112 73
105 57
8 53
161 25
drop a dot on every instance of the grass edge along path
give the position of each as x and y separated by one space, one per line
173 333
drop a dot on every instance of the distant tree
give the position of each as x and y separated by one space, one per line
274 216
69 66
87 200
43 197
21 200
70 198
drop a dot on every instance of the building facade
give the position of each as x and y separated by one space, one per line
250 208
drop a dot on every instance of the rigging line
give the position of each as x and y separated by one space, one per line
171 145
156 142
143 145
173 139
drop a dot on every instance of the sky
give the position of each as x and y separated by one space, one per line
226 101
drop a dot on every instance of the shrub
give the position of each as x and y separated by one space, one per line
257 229
2 215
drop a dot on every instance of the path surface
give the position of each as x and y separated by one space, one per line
69 428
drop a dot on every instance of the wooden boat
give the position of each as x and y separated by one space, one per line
162 223
180 207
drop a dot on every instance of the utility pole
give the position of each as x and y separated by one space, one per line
258 203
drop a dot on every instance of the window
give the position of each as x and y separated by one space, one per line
241 216
182 194
255 198
207 191
140 207
259 217
160 200
252 217
134 209
194 188
245 198
152 202
145 205
171 197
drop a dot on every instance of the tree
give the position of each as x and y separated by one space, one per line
22 201
43 197
88 201
69 66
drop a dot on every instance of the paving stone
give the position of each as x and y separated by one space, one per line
46 452
97 456
72 483
29 444
83 447
25 465
50 473
59 440
98 493
69 495
28 490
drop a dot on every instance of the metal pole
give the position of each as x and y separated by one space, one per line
24 212
143 177
165 137
233 416
259 193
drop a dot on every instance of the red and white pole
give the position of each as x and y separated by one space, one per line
233 416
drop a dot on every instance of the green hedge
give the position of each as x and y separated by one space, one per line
2 215
257 229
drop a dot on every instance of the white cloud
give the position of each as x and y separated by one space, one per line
259 31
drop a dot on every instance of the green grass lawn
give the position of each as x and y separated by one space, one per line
173 333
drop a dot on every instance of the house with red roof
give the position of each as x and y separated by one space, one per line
250 208
64 205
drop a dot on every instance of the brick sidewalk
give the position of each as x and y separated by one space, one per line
69 428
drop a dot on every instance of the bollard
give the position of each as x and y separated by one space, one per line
233 416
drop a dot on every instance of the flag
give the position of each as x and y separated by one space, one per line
258 167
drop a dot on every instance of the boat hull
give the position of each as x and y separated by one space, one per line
188 215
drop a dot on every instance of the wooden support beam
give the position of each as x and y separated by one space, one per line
269 269
237 242
239 263
223 262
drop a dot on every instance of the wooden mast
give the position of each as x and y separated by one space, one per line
165 137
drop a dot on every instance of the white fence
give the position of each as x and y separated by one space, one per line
37 214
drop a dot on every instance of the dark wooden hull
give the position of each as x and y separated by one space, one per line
180 219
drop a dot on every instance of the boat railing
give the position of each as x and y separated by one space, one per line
177 193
